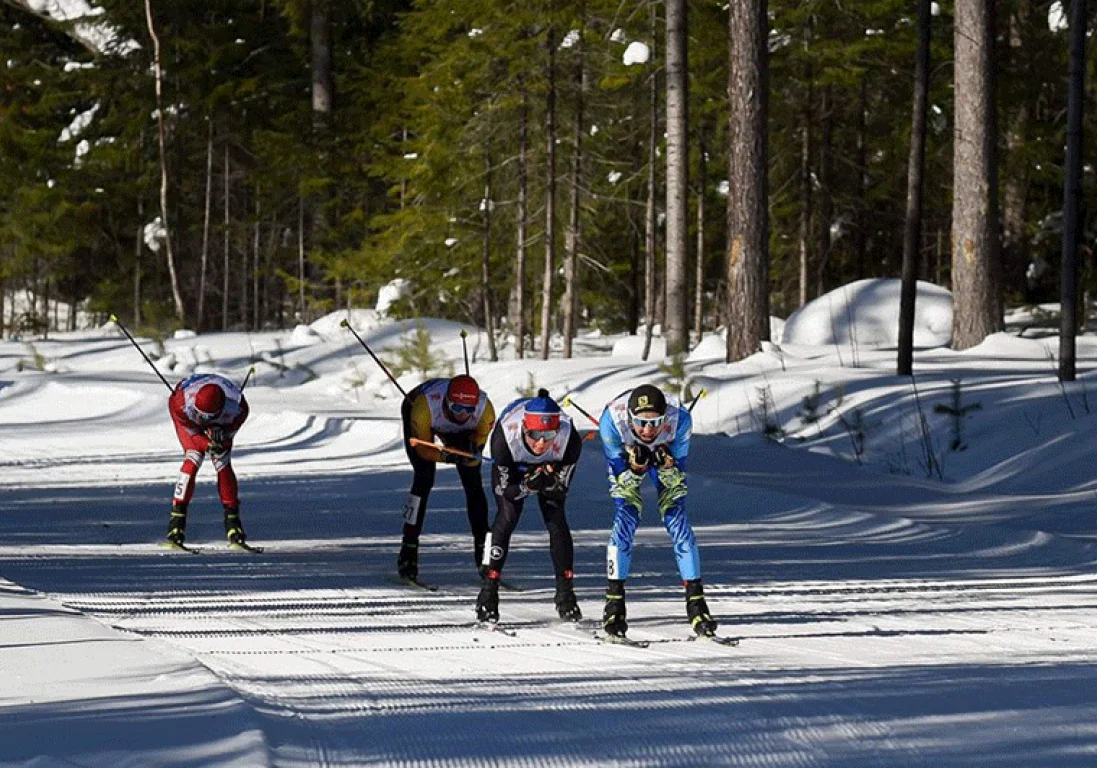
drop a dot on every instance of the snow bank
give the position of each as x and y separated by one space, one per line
871 309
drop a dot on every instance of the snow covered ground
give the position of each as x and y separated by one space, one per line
911 587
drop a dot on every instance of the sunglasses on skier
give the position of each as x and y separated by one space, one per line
461 410
652 422
543 435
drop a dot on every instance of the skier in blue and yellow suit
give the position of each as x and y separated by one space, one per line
644 435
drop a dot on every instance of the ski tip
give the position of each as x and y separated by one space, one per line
113 318
172 546
246 548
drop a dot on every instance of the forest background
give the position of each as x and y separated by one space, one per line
530 168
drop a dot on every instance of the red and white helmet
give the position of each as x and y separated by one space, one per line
463 391
209 401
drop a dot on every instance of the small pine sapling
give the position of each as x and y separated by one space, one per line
957 412
415 354
529 389
677 379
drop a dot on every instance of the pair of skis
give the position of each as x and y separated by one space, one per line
605 637
238 547
408 581
631 643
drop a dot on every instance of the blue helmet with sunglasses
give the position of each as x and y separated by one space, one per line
542 417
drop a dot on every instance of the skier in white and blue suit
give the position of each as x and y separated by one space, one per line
644 435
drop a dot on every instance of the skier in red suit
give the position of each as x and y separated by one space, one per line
207 410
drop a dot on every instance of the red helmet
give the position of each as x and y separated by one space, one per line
463 391
209 400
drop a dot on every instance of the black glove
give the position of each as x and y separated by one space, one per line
217 441
449 457
639 458
536 480
661 458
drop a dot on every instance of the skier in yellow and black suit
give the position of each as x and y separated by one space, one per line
461 416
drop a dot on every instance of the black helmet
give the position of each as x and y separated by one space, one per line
647 398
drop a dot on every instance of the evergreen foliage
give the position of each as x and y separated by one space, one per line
428 103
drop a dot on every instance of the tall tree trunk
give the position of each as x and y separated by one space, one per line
975 234
677 246
301 266
1072 192
806 220
227 270
206 221
748 179
485 261
255 324
826 194
699 264
860 230
323 89
176 294
523 216
912 225
1015 249
245 260
649 211
139 243
573 239
550 195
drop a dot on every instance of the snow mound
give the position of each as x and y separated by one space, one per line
715 345
330 326
304 336
1010 347
633 346
871 309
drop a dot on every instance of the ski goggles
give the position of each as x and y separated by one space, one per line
542 435
648 422
461 410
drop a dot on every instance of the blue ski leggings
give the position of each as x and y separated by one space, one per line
626 518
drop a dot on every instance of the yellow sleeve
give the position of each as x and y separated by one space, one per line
419 427
483 429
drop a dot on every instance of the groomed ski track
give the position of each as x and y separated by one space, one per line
885 620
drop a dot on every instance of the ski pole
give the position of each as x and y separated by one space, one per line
114 319
447 449
700 394
250 372
568 401
465 348
377 360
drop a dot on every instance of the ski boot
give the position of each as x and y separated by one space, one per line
407 562
177 526
697 609
566 605
613 618
487 602
234 529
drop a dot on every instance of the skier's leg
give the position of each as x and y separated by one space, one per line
477 504
194 454
498 539
672 506
619 551
686 552
228 490
415 507
495 553
562 549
